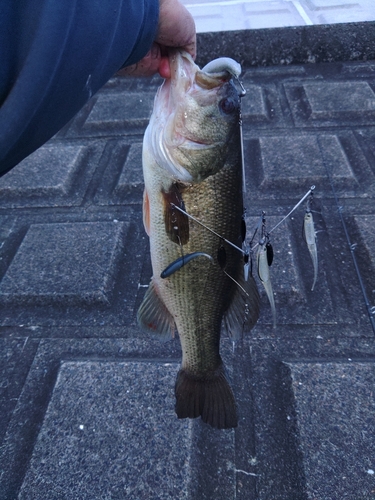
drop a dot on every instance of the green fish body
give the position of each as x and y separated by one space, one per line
192 162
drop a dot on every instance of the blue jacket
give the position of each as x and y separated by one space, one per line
54 55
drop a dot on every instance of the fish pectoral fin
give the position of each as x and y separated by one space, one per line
243 311
146 212
154 317
209 397
176 222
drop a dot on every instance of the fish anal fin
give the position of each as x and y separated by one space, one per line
243 312
153 316
176 222
146 212
209 397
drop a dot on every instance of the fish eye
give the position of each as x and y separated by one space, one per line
227 106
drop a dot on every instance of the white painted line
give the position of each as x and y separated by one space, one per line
302 12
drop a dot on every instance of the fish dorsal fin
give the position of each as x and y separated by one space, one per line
153 316
243 311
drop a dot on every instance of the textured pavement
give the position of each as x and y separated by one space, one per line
87 403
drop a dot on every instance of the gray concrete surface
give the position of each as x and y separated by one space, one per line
86 399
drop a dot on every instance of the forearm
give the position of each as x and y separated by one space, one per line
55 58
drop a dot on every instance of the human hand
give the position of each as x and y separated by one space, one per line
176 29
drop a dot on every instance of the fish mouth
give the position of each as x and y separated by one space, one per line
184 70
186 77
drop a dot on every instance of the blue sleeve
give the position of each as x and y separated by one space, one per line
54 55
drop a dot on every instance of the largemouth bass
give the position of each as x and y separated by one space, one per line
192 165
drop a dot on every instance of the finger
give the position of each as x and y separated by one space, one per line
176 27
147 66
164 67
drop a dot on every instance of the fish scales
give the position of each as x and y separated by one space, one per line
207 290
206 184
201 291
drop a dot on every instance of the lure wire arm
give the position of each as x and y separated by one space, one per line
208 229
241 94
309 192
309 202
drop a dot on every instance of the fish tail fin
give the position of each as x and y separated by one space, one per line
207 396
